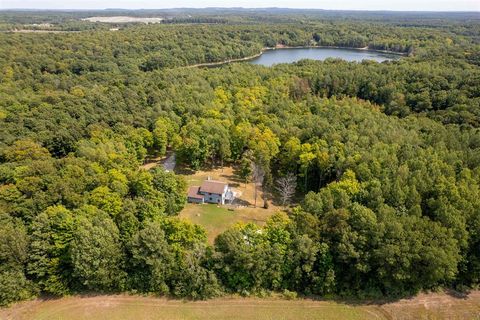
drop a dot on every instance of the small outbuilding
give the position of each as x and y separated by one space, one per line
194 196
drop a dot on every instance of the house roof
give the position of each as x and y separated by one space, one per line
193 192
213 186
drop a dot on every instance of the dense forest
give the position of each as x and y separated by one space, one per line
386 157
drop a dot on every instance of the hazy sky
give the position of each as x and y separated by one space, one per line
413 5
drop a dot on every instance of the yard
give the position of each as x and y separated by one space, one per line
216 219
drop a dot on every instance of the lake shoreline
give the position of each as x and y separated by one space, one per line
219 63
265 49
337 47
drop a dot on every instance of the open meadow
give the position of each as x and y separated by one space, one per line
119 307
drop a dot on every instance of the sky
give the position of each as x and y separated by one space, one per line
395 5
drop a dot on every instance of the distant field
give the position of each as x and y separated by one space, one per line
123 19
120 307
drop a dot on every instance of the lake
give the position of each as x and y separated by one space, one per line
288 55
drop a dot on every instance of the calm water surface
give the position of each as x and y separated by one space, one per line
272 57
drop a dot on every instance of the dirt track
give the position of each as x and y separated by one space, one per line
436 306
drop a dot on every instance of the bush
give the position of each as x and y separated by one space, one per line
14 287
289 295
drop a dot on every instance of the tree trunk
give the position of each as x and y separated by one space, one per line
264 197
255 192
306 172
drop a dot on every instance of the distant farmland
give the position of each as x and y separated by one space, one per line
123 19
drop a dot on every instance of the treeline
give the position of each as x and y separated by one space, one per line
242 15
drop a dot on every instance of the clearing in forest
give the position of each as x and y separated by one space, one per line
215 218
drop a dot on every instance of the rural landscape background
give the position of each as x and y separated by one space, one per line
349 139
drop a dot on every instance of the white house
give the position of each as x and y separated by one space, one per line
211 191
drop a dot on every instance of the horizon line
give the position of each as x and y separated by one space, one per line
235 8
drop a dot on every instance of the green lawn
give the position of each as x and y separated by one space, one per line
213 218
212 215
216 219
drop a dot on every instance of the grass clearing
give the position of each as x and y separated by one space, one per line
215 219
122 307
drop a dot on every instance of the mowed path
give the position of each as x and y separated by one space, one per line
119 307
